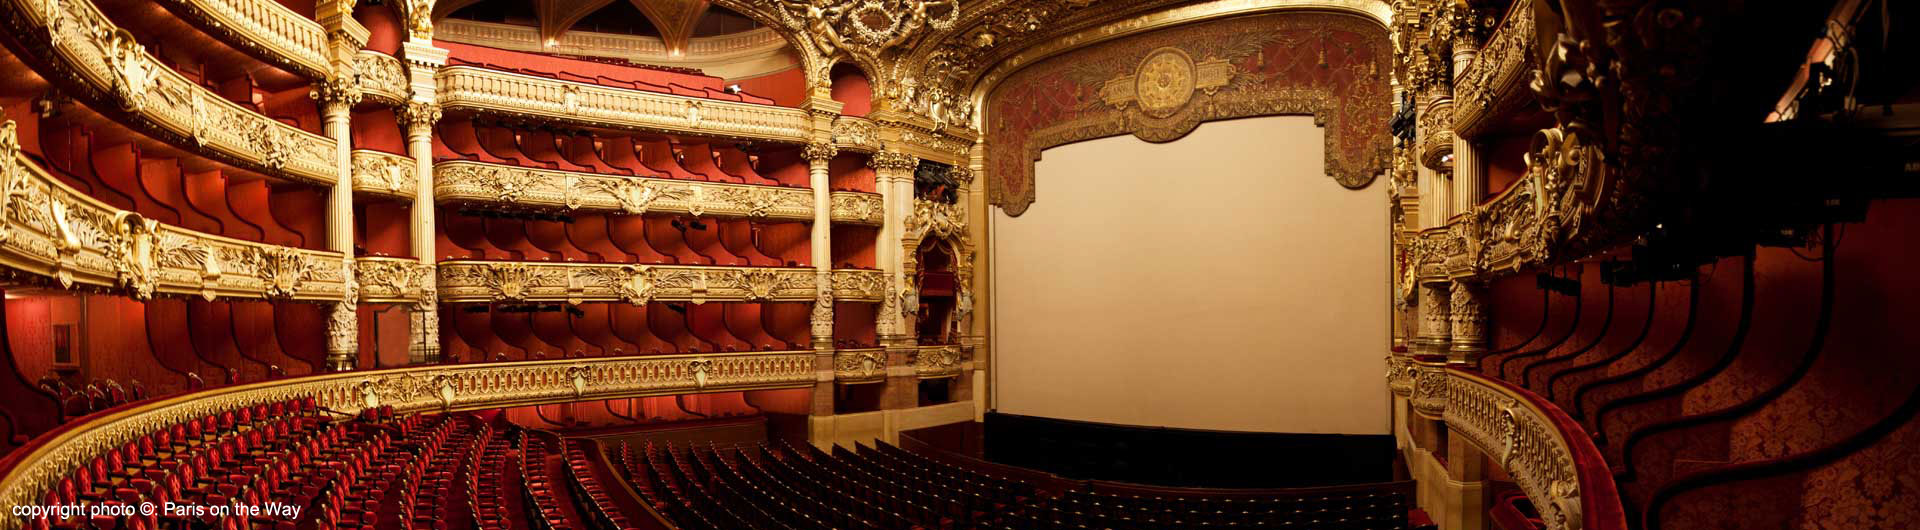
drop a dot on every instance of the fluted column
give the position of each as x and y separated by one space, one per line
894 170
336 98
818 155
423 342
1436 328
1469 175
1468 323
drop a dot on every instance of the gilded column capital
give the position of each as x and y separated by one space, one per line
341 91
885 160
419 116
819 151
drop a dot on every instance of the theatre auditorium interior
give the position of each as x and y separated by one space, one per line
960 264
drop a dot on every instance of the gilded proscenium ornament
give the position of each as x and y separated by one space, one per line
393 280
384 174
495 92
424 389
495 281
52 230
95 61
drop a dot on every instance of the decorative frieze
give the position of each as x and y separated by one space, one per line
505 281
859 285
503 93
102 63
409 391
1429 396
384 174
51 230
858 208
856 134
382 77
854 366
393 280
941 361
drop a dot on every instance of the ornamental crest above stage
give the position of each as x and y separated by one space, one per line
1160 85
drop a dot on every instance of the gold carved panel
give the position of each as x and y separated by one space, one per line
518 281
265 27
385 174
502 93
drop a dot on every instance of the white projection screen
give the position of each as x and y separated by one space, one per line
1220 281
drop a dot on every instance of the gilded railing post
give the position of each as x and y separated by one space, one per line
337 97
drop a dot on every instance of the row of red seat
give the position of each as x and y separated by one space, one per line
620 238
595 72
99 395
461 138
619 328
176 191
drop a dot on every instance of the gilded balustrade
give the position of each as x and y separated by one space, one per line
265 27
503 93
1548 455
521 281
1499 73
52 230
460 181
102 64
422 389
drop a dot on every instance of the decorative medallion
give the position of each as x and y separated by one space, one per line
1164 82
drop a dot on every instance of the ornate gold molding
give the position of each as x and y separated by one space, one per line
265 27
383 78
384 174
941 361
860 366
51 230
1500 71
1548 208
101 63
1537 445
414 390
859 285
856 134
502 93
393 280
858 208
522 281
1429 397
1436 135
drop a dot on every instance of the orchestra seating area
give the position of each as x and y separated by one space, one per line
780 484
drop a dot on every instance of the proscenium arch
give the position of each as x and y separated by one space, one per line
1377 14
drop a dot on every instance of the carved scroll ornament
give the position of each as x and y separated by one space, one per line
486 281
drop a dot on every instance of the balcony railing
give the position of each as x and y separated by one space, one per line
52 230
504 93
860 366
385 174
522 281
855 285
460 181
942 361
382 77
1548 455
392 280
265 27
101 63
1499 73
